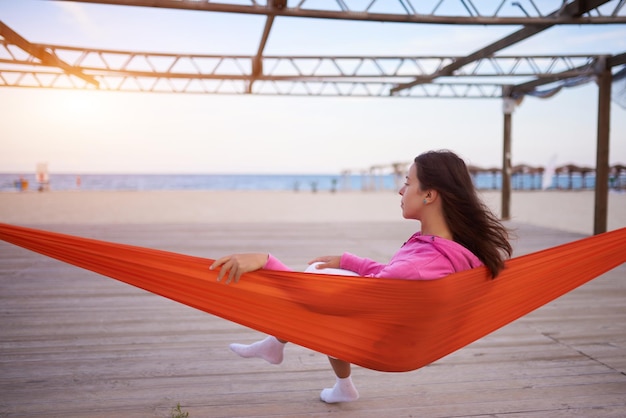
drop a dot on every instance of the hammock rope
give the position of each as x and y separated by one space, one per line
380 324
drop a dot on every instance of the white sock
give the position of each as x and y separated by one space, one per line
343 391
269 349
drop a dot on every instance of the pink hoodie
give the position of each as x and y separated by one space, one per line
420 258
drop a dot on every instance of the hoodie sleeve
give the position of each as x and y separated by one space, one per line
424 266
362 266
275 264
422 258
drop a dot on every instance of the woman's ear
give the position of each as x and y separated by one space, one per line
432 195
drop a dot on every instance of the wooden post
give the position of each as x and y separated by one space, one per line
605 78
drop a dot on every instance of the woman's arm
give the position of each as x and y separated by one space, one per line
237 264
360 265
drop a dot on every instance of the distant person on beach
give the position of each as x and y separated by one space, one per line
21 184
458 232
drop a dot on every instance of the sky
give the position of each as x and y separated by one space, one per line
79 131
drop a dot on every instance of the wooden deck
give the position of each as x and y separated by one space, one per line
76 344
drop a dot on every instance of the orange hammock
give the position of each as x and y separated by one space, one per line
380 324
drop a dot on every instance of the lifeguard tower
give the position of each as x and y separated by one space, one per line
43 178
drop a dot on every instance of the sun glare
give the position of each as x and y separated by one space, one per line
76 104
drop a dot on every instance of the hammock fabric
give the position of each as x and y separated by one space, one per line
380 324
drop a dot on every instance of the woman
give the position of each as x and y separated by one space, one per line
458 232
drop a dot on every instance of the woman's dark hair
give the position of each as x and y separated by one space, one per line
471 222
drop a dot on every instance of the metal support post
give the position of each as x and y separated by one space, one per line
507 107
605 78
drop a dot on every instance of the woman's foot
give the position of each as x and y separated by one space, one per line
343 391
269 349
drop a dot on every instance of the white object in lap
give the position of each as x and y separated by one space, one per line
340 272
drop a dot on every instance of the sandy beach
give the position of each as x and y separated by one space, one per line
571 211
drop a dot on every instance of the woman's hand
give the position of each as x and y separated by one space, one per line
327 262
237 264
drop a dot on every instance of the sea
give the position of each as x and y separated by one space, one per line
11 182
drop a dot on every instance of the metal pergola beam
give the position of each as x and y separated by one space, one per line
257 63
42 54
521 89
616 60
287 75
477 13
306 66
574 9
367 75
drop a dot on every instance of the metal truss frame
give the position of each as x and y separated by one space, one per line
472 12
481 74
372 76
